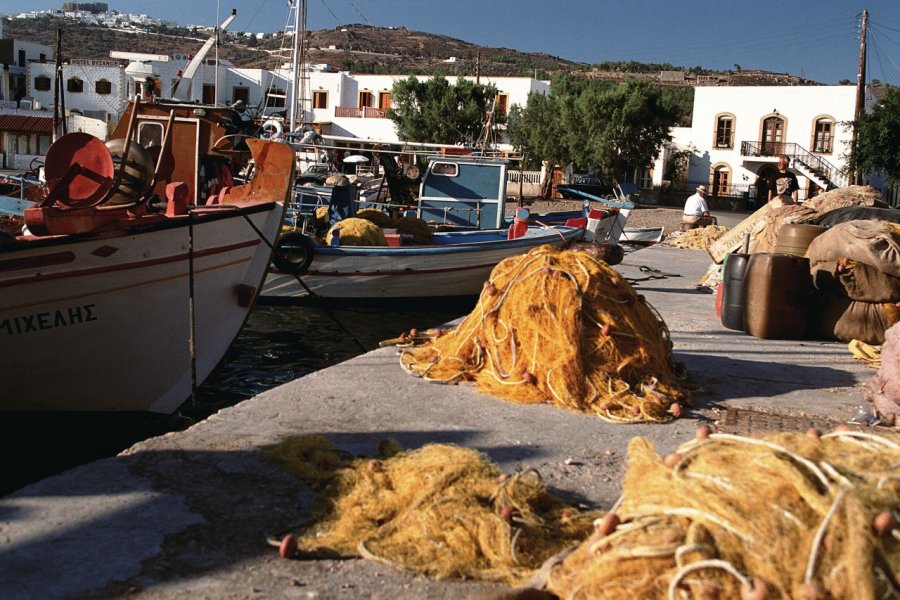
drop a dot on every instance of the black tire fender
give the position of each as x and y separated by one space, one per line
293 253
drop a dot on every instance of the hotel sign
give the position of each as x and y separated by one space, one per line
86 62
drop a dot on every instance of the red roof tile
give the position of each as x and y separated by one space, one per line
22 124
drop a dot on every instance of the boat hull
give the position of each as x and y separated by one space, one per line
102 322
458 265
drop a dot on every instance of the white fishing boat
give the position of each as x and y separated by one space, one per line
457 264
134 278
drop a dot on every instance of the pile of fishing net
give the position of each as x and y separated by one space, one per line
853 195
412 228
697 239
788 516
379 217
441 510
563 327
357 232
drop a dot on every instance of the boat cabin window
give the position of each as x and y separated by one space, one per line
445 168
150 134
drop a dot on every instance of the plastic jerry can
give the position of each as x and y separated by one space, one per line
733 276
777 293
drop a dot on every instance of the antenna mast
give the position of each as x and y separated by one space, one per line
298 68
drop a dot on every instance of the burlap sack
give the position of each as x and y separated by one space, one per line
856 281
869 242
834 317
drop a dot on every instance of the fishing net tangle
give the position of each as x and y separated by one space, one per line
441 510
788 516
697 239
561 326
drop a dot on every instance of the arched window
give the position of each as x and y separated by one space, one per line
75 85
103 87
721 181
823 135
42 83
725 131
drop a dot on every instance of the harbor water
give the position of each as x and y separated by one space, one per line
278 344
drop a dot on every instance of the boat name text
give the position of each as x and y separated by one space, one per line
64 317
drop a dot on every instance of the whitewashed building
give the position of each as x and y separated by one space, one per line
737 134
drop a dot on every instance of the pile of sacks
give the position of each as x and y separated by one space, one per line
856 269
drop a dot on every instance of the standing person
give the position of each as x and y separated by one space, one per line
696 210
784 179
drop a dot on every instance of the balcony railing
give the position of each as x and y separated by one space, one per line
358 112
816 164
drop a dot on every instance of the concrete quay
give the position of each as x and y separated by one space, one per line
186 515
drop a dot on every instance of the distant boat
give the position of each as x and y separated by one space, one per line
134 278
642 236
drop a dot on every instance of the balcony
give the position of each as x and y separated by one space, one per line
358 112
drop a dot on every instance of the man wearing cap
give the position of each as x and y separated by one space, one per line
696 211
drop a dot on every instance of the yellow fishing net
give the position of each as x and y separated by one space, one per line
379 217
441 510
357 232
788 516
417 228
697 239
561 326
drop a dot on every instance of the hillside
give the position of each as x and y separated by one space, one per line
366 49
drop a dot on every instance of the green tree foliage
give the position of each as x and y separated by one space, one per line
536 129
878 139
597 125
435 111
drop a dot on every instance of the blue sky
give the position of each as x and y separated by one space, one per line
817 39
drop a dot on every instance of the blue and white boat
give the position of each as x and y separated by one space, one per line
457 264
466 195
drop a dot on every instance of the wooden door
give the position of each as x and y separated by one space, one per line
773 135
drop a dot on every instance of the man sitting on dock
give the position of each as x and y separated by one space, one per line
696 211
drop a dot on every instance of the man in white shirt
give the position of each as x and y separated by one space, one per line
696 211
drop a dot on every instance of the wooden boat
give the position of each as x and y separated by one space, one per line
457 264
140 265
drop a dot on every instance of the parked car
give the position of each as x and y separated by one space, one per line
315 173
595 185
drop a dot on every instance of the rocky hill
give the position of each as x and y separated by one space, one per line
366 49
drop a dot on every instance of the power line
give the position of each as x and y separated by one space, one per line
328 8
359 12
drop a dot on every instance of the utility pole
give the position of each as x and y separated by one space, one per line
860 89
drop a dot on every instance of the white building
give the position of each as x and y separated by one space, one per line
737 134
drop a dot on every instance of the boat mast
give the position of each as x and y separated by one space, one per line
298 66
860 86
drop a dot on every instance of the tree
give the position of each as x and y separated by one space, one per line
435 111
878 139
618 128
